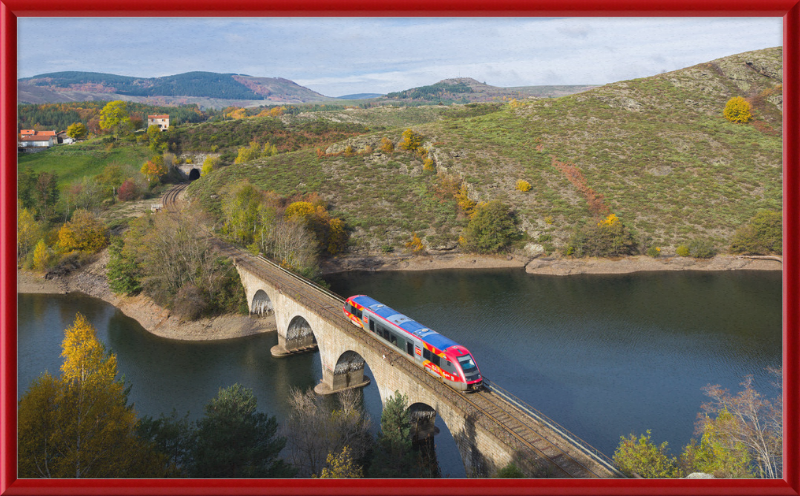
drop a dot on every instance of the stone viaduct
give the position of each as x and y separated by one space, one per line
309 318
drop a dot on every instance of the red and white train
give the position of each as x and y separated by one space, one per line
438 354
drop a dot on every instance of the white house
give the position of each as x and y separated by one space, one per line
160 120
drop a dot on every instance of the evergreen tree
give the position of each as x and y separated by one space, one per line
122 270
394 457
235 440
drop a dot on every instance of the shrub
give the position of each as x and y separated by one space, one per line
491 228
523 185
702 249
510 471
737 110
387 145
128 191
189 302
411 140
763 234
415 244
654 252
428 165
609 237
682 251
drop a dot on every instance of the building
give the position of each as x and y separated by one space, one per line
160 120
31 140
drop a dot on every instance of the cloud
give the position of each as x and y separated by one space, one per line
353 55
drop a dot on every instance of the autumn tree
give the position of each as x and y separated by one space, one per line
114 117
157 142
641 456
128 191
341 466
247 154
717 453
317 433
387 145
112 177
750 421
28 231
235 440
86 194
80 425
737 110
41 256
209 164
154 169
77 130
411 141
83 232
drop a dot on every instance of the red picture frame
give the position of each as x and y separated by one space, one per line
10 10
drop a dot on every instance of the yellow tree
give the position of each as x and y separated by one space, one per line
341 466
41 255
28 230
80 425
737 110
411 140
84 232
114 117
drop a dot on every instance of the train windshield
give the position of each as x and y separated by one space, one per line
466 363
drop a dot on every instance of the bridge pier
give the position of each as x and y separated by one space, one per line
347 374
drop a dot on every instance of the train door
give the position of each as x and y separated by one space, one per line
410 348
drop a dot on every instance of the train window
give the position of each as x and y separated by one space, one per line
393 339
358 313
410 348
435 359
466 363
371 325
426 354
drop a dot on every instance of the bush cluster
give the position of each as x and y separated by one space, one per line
762 235
609 237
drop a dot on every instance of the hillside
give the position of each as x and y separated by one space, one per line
655 151
468 90
206 89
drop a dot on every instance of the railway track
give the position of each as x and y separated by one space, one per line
527 428
169 200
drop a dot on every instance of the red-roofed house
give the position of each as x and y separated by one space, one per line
160 120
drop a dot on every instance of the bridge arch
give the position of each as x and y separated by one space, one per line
261 304
298 336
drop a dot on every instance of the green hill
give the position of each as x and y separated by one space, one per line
655 151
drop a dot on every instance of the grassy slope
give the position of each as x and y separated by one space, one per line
73 162
657 149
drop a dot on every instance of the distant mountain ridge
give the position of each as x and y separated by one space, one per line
210 89
469 90
191 87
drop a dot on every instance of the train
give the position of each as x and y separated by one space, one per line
441 356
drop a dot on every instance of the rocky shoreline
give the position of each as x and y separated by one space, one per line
91 280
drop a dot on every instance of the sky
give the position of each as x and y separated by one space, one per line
343 56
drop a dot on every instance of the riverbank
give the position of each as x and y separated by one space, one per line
548 265
91 280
